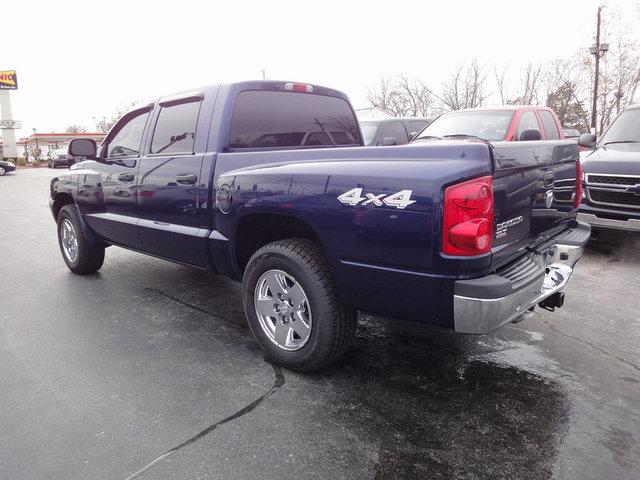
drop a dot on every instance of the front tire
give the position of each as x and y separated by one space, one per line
293 307
2 171
81 255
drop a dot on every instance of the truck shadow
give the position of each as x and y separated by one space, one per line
433 404
438 406
617 243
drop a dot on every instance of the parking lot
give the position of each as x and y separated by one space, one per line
147 370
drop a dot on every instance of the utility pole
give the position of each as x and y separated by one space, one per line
264 74
598 51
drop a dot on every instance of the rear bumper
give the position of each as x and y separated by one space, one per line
630 224
482 305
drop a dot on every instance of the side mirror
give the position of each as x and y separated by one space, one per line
587 140
82 147
530 135
388 141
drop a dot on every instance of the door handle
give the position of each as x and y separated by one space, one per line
126 177
187 178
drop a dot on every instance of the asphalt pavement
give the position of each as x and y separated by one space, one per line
147 370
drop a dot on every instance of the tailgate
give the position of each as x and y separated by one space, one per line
534 188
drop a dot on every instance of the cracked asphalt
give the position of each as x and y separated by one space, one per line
147 370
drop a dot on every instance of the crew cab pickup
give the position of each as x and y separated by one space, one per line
458 233
612 174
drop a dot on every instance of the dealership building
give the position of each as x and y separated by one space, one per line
42 145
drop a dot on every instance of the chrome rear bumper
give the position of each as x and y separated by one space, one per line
493 309
630 225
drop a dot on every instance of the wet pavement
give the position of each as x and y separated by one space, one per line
147 370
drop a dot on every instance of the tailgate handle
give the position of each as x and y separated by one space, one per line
549 177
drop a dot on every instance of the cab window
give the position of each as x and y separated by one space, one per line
528 121
395 130
128 137
276 119
175 130
549 124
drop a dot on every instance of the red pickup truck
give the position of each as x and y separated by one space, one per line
505 123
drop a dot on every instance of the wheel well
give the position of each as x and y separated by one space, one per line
255 231
60 200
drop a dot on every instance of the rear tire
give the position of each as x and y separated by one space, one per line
81 255
328 325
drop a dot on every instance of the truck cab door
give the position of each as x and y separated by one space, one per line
169 182
107 192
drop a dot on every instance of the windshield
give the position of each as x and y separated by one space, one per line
625 128
368 132
485 124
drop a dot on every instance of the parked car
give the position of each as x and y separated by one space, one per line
571 133
392 131
612 174
505 123
60 158
448 234
6 167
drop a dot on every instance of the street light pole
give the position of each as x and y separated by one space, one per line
598 51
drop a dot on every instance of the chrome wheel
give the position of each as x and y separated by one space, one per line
2 171
69 240
283 310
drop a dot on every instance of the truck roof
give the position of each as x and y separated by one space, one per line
502 108
276 85
391 119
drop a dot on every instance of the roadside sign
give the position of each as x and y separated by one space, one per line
13 124
8 80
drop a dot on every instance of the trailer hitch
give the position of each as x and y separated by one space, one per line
552 301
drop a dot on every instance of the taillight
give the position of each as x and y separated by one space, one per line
578 195
298 87
468 217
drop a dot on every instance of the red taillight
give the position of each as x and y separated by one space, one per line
468 217
578 196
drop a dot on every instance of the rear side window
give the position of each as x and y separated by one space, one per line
289 119
176 128
395 130
416 126
549 124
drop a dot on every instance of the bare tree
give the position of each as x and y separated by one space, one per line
73 129
402 96
568 90
104 124
465 87
527 91
620 70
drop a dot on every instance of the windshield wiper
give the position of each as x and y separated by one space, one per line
463 135
622 141
427 137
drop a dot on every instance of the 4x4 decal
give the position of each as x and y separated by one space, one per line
353 197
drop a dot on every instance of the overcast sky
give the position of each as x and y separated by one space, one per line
78 60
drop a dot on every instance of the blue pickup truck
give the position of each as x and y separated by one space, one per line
268 183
